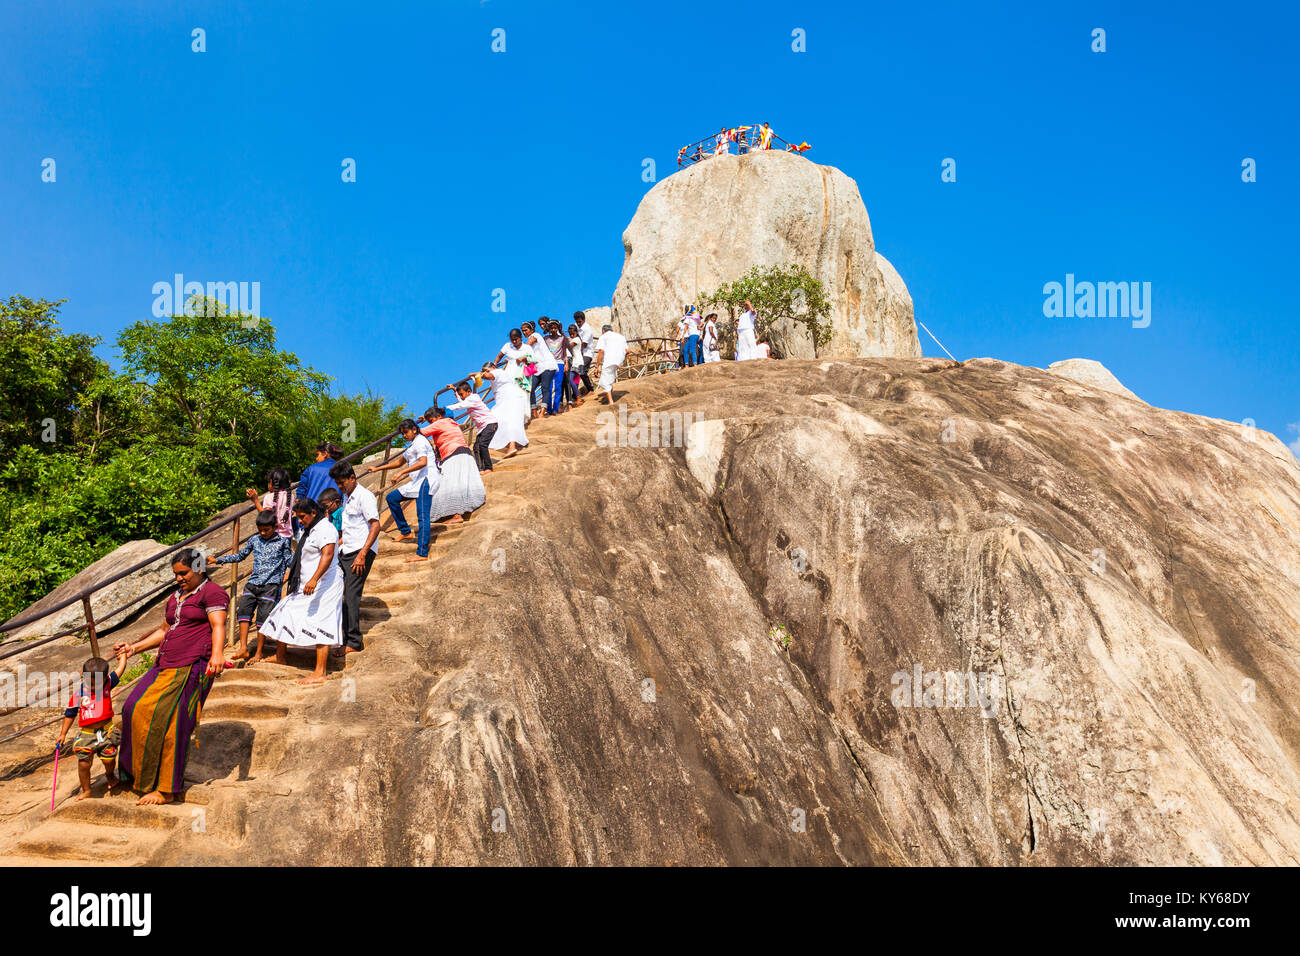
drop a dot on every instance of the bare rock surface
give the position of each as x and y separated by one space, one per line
120 594
1091 372
1029 622
728 213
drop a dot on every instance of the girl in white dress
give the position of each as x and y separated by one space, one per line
312 614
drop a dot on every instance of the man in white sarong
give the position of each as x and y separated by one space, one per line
611 350
746 346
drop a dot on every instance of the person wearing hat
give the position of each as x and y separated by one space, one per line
611 350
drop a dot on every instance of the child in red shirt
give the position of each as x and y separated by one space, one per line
92 708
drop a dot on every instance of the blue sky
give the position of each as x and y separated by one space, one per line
519 170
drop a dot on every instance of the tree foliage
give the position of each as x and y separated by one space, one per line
781 292
42 372
204 406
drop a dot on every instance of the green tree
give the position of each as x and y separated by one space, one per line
780 292
215 383
205 406
42 372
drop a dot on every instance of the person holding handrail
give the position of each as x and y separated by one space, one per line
161 715
460 492
311 615
419 462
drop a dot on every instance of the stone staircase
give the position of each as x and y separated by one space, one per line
252 717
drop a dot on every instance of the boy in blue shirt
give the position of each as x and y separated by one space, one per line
272 558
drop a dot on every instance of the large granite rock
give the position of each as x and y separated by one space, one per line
881 611
763 208
597 316
111 605
1093 373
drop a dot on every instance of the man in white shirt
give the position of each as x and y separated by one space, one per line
746 347
611 350
584 333
358 545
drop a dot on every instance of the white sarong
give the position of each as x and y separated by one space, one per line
746 346
511 407
461 489
305 620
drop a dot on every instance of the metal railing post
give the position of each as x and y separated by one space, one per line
90 626
234 580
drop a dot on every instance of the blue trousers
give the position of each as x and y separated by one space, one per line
542 380
557 389
396 502
691 351
423 503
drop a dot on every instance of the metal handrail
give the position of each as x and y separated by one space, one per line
660 356
746 141
86 592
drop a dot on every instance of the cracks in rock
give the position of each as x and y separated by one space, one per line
1031 792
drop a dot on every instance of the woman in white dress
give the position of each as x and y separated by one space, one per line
746 347
509 399
312 614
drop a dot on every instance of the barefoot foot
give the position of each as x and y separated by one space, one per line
157 798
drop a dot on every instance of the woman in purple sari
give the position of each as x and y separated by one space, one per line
162 713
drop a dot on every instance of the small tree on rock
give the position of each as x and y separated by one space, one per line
784 291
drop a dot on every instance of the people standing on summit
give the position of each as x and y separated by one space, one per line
709 341
690 337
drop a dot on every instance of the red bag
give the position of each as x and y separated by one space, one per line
94 710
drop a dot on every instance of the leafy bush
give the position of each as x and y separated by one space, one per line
788 292
205 407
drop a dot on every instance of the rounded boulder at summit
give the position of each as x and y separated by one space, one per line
714 221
